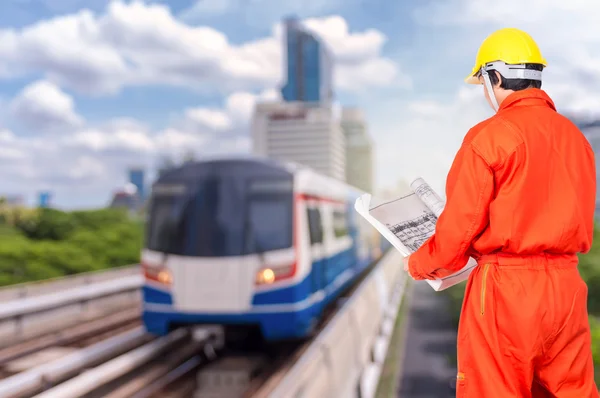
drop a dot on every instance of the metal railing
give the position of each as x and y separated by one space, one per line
38 288
30 316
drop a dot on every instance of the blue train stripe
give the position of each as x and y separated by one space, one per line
282 313
161 301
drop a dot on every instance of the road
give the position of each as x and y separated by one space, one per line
428 368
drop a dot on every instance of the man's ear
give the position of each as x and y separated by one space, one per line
499 77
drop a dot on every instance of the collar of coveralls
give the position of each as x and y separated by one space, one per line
528 97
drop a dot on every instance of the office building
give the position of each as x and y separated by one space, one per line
308 66
126 197
44 199
359 150
136 177
297 132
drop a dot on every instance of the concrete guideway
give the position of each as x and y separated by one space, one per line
346 358
428 367
350 349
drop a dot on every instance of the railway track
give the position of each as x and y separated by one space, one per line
250 374
111 356
17 356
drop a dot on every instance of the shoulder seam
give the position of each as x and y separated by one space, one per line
478 150
479 153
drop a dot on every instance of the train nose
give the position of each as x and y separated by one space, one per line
219 284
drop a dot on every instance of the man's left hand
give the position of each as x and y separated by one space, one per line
406 268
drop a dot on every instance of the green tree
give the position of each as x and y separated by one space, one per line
47 243
47 224
589 268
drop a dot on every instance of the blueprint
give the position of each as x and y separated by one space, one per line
408 218
428 196
408 221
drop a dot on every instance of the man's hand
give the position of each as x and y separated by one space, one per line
405 260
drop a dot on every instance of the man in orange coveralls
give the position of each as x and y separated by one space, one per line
520 199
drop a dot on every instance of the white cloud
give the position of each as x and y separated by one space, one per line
7 151
567 33
212 118
359 63
44 106
139 44
423 135
426 135
126 137
348 47
233 118
93 157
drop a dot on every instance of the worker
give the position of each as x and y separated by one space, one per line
520 198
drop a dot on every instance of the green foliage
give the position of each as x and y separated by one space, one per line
589 268
595 327
48 224
48 243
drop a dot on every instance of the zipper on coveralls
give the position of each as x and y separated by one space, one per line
483 287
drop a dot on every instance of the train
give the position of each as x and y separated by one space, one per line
250 243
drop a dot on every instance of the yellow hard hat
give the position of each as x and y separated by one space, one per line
509 45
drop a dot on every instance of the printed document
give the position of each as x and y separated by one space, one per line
408 221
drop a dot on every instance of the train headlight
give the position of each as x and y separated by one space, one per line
158 274
164 276
265 276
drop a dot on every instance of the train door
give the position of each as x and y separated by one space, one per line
318 257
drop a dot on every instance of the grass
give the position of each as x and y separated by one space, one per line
388 382
7 230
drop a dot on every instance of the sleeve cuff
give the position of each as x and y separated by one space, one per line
414 268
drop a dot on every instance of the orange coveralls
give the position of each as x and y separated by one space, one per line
520 200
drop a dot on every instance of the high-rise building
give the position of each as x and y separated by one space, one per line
126 197
44 199
136 177
299 133
308 66
359 150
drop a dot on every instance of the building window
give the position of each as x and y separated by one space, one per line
340 224
315 226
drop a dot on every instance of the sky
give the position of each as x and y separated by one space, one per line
89 88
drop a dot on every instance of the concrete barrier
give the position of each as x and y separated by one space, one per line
345 360
38 288
66 302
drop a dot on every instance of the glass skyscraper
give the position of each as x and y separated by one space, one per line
44 199
309 66
136 177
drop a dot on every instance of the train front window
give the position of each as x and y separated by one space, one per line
269 224
269 215
223 216
165 229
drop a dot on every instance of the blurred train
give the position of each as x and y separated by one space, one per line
251 243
